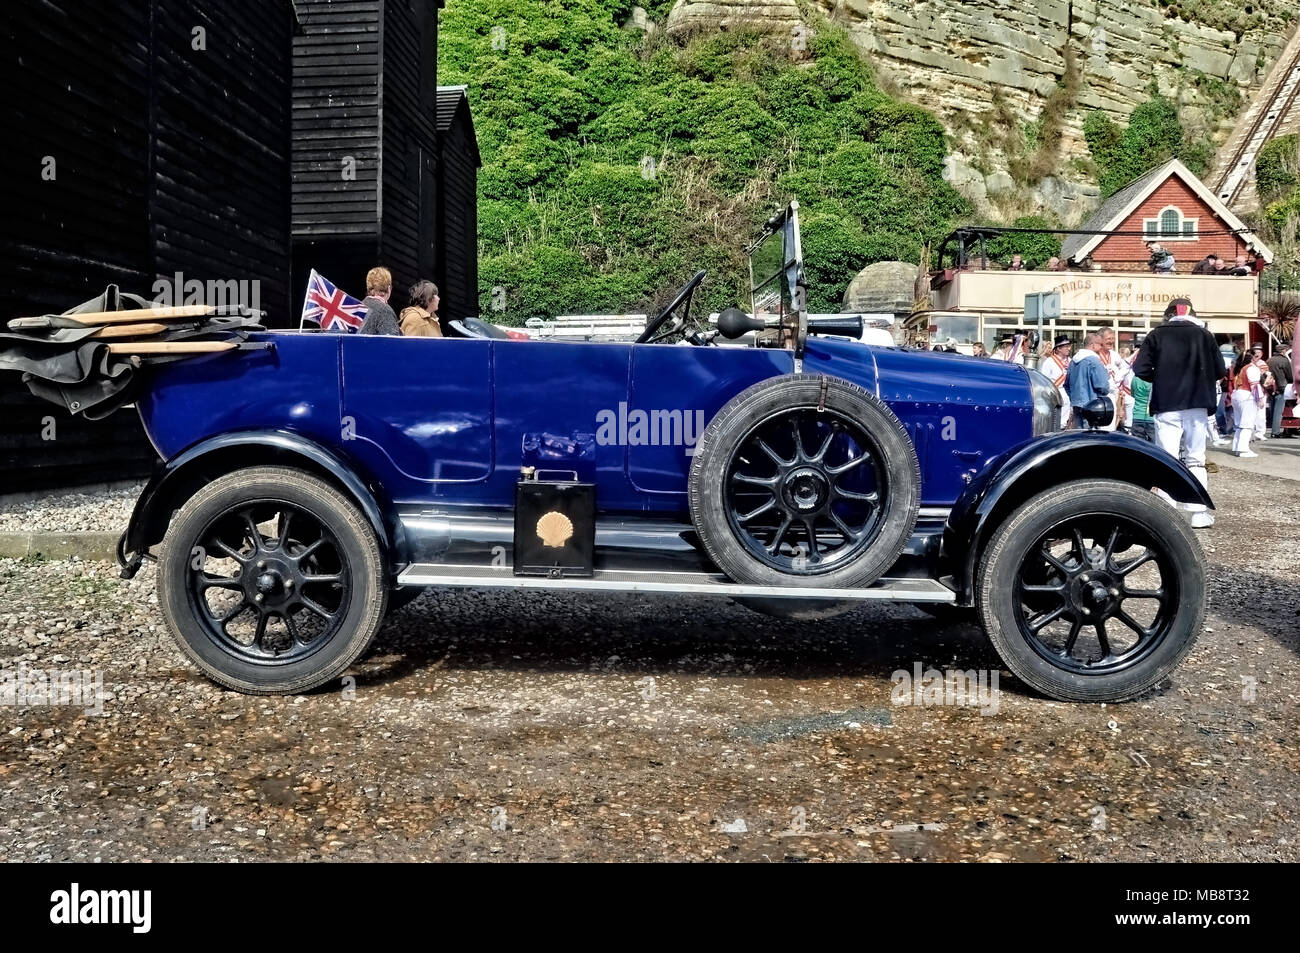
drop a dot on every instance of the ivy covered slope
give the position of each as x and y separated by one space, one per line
1154 134
1277 182
616 164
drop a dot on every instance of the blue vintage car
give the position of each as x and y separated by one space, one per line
311 485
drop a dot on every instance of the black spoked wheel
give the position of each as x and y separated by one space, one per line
805 478
1093 591
804 491
271 580
1096 594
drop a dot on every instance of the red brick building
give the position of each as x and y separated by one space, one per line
1168 205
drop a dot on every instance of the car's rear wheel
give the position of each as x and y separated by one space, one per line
804 480
1092 591
271 581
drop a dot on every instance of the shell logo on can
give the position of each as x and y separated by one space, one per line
554 529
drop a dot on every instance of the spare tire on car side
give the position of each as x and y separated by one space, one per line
805 480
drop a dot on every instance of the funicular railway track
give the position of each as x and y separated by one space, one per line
1236 174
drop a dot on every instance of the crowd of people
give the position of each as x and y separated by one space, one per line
1160 261
1175 389
1212 264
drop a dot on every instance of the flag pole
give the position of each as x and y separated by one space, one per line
302 314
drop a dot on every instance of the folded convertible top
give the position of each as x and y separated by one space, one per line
88 359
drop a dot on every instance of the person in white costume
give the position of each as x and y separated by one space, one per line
1053 366
1265 378
1117 369
1011 349
1247 402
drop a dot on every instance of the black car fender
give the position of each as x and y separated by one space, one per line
1014 476
178 478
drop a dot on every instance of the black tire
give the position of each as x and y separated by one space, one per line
858 440
325 547
1092 583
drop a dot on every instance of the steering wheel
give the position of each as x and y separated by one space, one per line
651 334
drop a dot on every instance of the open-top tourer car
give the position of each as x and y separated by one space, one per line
312 482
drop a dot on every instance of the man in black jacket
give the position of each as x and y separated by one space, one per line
1183 363
1279 365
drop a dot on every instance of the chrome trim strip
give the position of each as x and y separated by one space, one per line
677 583
934 512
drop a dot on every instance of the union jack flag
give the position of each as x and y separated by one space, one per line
329 307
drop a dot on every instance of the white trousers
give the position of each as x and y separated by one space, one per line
1181 434
1244 411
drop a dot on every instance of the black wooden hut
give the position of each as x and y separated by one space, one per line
241 141
364 140
145 138
456 257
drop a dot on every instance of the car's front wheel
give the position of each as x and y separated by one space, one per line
271 581
1092 591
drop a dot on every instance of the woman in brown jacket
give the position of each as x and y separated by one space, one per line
420 318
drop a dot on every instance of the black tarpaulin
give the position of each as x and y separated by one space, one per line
62 362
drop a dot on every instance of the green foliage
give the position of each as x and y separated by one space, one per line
1283 213
1154 134
1277 180
1035 249
1102 136
1223 99
1277 168
615 164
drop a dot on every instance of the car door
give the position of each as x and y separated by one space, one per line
418 411
675 391
550 400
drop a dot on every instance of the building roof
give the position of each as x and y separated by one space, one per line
1110 215
452 100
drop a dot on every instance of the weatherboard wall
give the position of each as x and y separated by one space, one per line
336 119
165 159
365 147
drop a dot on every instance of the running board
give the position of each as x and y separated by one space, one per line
668 583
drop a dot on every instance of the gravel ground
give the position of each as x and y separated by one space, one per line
103 510
511 726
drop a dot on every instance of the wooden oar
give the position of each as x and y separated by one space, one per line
127 330
171 347
129 317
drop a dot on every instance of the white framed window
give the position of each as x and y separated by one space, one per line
1171 225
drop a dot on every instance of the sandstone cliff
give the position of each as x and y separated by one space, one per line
991 69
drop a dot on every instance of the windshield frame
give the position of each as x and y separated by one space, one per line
791 306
